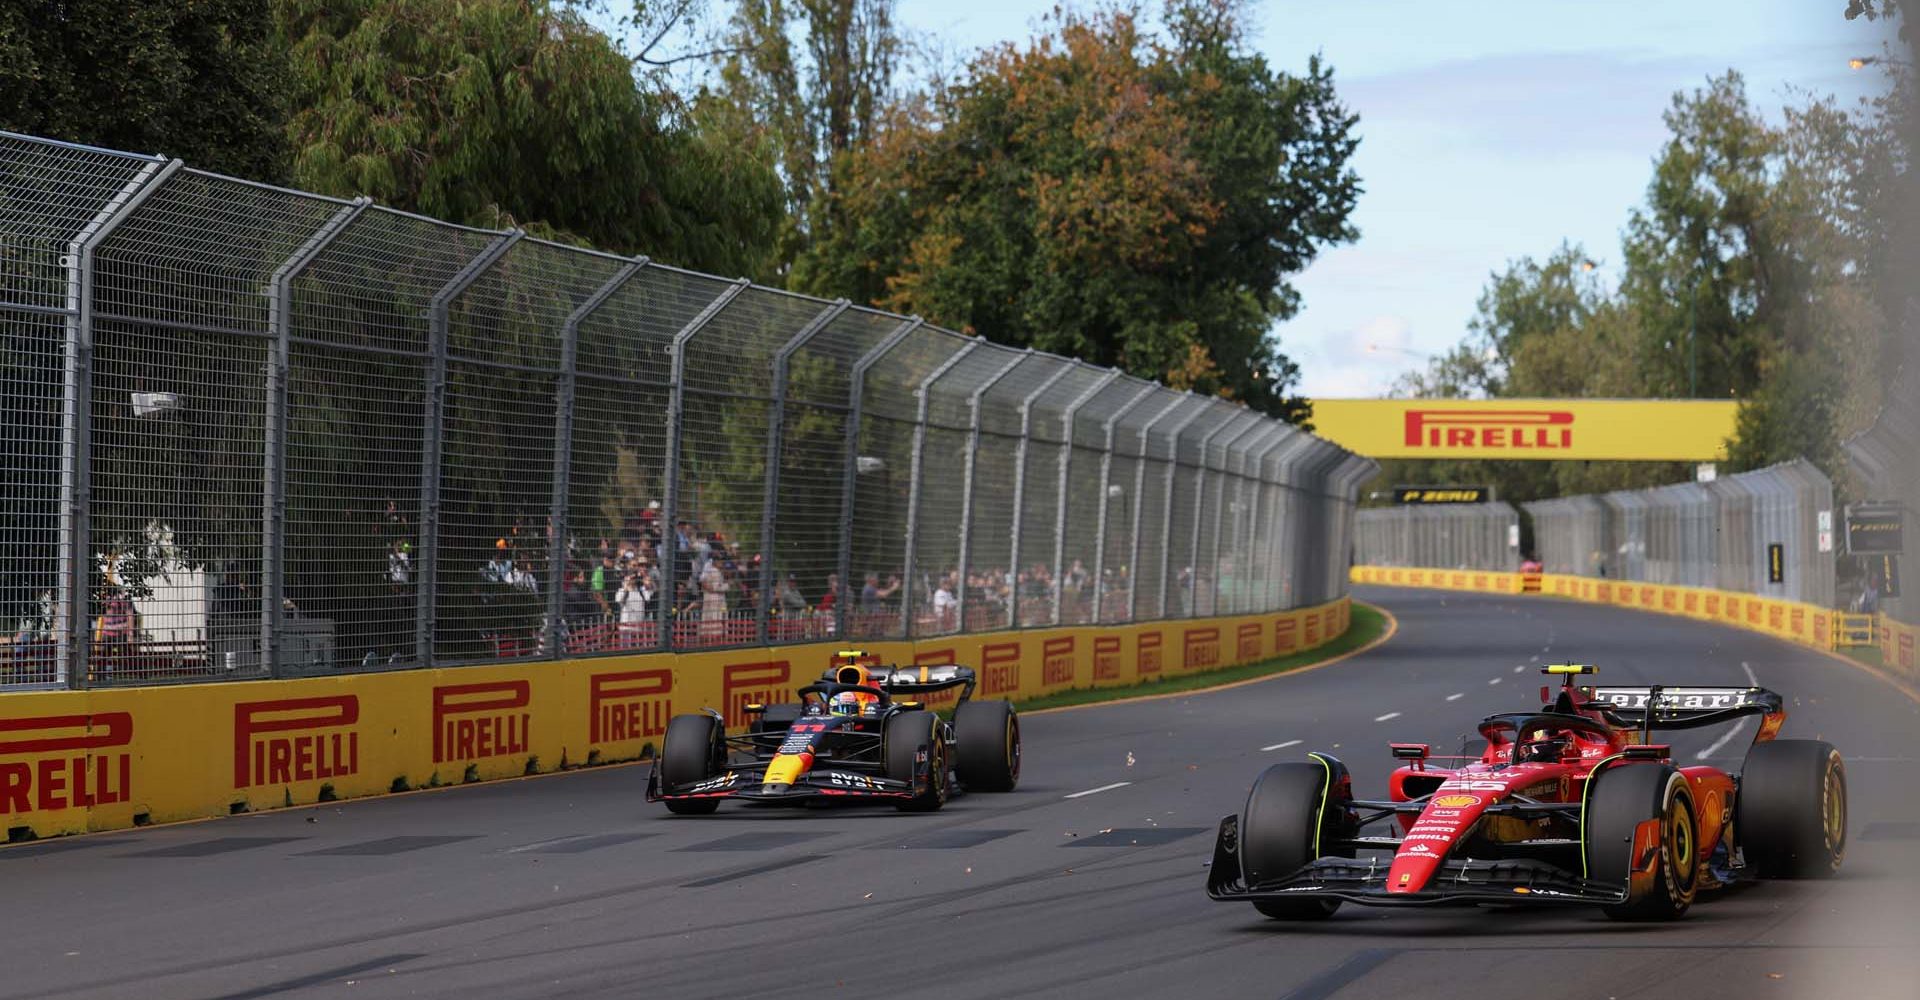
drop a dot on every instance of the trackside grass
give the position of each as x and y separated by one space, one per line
1369 625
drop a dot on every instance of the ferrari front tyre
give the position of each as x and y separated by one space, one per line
986 746
907 735
1791 811
694 750
1619 801
1281 832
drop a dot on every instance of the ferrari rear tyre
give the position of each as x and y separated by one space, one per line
1280 833
907 734
986 746
1791 811
1621 798
694 750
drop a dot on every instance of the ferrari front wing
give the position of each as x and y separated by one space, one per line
1364 881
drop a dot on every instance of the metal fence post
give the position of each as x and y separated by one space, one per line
1020 482
676 420
1139 507
565 387
1173 469
776 449
1199 502
1264 489
1066 464
856 394
922 394
273 508
433 439
966 479
1106 478
1220 506
76 445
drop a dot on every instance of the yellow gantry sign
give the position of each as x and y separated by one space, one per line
1645 430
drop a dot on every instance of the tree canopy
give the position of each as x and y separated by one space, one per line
1127 198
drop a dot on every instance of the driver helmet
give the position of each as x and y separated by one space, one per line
1547 745
852 702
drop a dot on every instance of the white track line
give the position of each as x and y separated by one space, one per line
1456 696
1735 731
1521 669
1389 715
1496 680
1102 788
1280 746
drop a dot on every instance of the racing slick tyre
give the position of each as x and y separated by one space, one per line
906 735
1280 833
986 746
695 749
1791 810
1619 800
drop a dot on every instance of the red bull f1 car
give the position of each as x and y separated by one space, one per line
856 735
1574 803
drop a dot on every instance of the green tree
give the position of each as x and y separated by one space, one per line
1107 194
202 80
495 112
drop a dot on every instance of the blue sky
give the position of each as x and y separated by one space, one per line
1490 131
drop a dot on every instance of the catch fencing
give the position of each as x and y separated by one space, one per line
1885 461
1439 536
257 432
1768 532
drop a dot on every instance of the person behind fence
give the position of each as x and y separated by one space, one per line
713 601
500 568
792 603
116 624
945 606
632 600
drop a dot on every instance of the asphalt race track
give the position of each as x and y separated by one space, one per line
1087 881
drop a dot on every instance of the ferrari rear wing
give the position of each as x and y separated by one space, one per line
1660 707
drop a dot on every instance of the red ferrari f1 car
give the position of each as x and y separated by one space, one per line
848 739
1573 803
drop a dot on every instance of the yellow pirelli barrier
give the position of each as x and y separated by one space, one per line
1896 646
1807 624
72 761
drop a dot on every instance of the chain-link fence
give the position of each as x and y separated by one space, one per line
1885 460
1768 532
1443 536
255 432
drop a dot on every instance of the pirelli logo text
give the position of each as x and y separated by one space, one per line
1286 634
80 761
767 682
477 721
1247 642
1056 661
295 739
1106 658
1517 430
1150 663
999 668
1202 648
630 705
1312 623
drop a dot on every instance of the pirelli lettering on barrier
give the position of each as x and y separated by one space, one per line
630 705
1247 646
1202 648
477 721
1150 663
1106 657
1444 430
1056 661
1692 603
999 668
295 739
764 682
79 761
1312 623
1797 621
1906 650
1286 634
